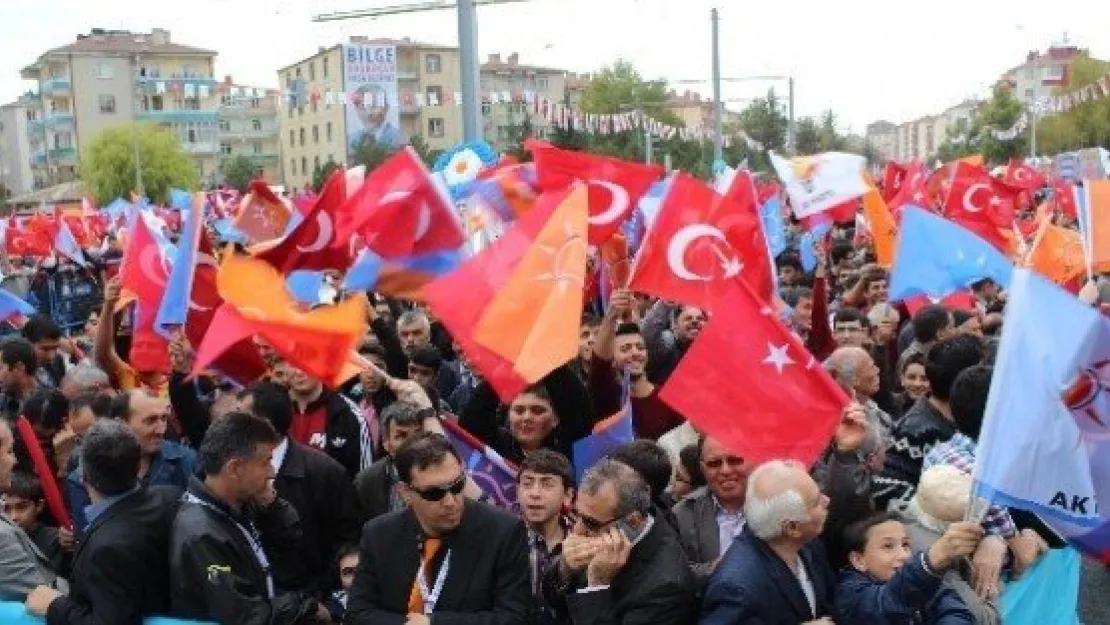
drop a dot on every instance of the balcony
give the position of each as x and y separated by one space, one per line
35 128
201 147
54 85
185 80
243 134
63 155
178 116
38 159
56 119
263 156
407 73
409 109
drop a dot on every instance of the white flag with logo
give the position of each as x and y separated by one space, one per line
819 182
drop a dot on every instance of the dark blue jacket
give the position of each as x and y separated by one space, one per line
753 586
912 596
173 466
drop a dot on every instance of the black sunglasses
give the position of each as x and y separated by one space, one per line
593 525
436 493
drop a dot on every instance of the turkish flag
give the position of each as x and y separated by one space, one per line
893 176
960 300
615 186
400 211
1022 176
311 244
787 407
701 242
973 203
144 269
912 191
1063 194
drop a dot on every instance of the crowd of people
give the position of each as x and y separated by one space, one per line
144 493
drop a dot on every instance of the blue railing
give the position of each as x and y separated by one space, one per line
178 116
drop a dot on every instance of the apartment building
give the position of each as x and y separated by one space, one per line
1041 74
882 135
248 126
110 77
15 148
697 113
501 118
393 88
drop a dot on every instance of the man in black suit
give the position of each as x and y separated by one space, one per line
461 560
621 565
121 567
317 487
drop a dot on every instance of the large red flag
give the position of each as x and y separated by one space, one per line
400 211
144 269
893 176
311 244
1024 177
973 203
1063 196
461 298
912 190
787 406
700 243
615 186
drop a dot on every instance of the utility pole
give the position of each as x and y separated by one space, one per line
648 140
718 107
790 129
1033 132
136 102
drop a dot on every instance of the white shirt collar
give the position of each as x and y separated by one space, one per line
278 458
647 528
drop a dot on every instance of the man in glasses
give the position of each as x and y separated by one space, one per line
620 561
711 518
443 555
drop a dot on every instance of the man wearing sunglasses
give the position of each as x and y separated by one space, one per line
445 554
711 517
621 563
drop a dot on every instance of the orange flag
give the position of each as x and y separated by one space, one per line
1095 212
262 215
1057 254
318 342
883 228
535 320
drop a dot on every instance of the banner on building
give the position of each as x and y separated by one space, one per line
370 84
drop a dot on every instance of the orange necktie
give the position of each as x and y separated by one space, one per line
416 600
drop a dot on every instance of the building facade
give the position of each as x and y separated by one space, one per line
110 77
248 127
15 148
502 120
313 123
1042 73
697 113
882 136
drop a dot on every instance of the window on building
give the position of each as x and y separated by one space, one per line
435 127
324 62
290 112
298 72
292 138
225 149
302 137
189 71
316 161
312 71
104 70
107 103
293 166
225 126
1030 94
486 108
330 159
256 125
256 103
304 165
327 131
256 147
192 104
316 135
314 101
1054 72
541 83
191 135
434 96
433 64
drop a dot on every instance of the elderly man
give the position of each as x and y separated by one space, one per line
620 565
84 377
856 372
713 516
775 573
414 329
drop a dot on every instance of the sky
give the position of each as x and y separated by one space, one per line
864 59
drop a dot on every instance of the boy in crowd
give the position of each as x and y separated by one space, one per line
545 491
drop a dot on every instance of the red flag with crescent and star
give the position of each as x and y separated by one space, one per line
311 243
973 203
700 243
787 408
1024 177
615 186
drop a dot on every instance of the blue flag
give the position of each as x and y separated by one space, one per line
1047 594
770 215
608 435
368 267
67 245
305 286
227 232
177 299
181 200
488 469
1045 441
936 257
10 306
806 252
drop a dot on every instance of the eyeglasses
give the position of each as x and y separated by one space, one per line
593 525
351 570
437 493
732 461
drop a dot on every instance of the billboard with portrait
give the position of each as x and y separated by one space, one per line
370 84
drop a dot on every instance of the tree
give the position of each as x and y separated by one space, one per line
831 140
620 88
371 154
108 164
1000 113
1086 125
764 122
321 174
238 171
426 153
807 136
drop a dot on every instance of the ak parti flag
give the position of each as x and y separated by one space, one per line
787 407
1094 222
257 302
700 243
883 229
1057 254
460 298
615 186
535 318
